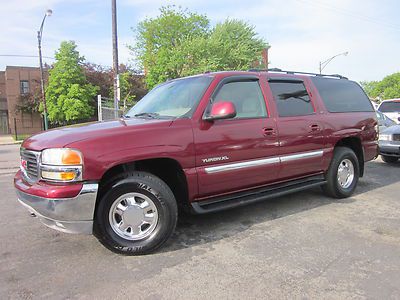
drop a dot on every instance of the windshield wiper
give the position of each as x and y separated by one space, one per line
148 115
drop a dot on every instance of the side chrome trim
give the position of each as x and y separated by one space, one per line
302 155
263 161
241 165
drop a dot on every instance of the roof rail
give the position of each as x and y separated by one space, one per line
296 72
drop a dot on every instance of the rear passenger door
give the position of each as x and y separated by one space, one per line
300 131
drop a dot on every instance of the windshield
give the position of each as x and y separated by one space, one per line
390 106
172 99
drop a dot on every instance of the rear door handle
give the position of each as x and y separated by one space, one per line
315 127
268 131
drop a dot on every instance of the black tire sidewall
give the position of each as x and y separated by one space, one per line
158 192
389 159
339 156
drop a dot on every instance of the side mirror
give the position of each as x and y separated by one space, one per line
221 110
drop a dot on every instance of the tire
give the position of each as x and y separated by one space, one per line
342 186
389 159
130 199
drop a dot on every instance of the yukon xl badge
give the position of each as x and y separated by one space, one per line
214 159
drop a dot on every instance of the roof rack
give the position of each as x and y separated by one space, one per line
295 72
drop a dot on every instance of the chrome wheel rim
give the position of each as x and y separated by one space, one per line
345 174
133 216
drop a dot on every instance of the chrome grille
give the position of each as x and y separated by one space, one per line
396 137
32 163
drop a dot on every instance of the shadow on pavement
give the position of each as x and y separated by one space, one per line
195 230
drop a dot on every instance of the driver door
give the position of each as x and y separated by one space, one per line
240 152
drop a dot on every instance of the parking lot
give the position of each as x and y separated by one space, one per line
299 246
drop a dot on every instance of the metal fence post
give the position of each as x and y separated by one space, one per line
15 129
99 113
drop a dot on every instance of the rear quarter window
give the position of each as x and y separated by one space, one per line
340 95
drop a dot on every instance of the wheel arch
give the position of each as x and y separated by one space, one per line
354 143
167 169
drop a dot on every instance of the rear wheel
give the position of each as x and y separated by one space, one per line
343 173
136 215
389 159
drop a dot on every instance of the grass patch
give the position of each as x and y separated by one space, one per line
21 137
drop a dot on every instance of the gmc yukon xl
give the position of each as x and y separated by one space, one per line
201 144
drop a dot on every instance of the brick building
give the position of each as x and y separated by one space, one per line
16 83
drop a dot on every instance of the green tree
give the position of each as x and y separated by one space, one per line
369 87
68 94
387 88
158 40
180 43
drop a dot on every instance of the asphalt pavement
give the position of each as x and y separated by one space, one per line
303 245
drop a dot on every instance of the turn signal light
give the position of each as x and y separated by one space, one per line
71 157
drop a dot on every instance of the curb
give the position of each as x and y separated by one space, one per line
8 171
14 143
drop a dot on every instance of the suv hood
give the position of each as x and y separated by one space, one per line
63 136
395 116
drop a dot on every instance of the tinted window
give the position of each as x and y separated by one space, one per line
246 96
340 95
389 106
291 98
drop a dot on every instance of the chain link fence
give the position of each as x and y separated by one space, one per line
106 109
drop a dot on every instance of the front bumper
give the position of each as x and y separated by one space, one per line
389 149
71 215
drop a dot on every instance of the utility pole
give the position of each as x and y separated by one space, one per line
115 57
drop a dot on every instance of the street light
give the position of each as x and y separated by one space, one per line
323 64
48 13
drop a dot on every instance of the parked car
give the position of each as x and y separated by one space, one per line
391 108
389 144
384 121
202 144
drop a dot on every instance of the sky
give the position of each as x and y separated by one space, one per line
301 33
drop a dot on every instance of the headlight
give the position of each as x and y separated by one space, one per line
61 157
385 137
61 165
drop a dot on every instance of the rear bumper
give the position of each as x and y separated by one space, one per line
71 215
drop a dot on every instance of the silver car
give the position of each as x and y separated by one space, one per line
384 121
389 144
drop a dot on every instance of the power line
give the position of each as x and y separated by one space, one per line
18 55
352 14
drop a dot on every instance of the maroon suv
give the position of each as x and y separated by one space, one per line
203 144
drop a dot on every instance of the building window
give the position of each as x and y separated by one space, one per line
24 87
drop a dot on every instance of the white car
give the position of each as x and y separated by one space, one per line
389 144
391 108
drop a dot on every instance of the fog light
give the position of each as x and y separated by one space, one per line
54 175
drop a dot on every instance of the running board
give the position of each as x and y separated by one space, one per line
255 195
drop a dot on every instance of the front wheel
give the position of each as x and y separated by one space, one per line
136 215
343 173
389 159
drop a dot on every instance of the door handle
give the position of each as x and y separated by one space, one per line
268 131
315 127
